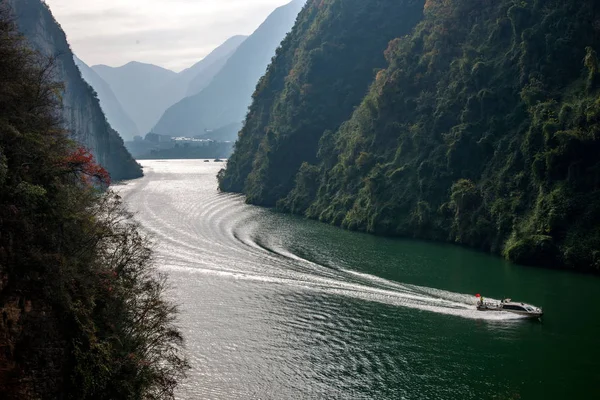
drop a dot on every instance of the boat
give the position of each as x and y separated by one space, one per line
507 305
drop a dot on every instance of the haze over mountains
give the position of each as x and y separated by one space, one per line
194 79
222 105
139 88
115 114
210 98
147 90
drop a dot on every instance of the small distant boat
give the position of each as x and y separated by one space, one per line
206 160
218 160
510 306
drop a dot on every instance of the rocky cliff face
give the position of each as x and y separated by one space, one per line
82 114
115 114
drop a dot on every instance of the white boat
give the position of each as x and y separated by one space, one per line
510 306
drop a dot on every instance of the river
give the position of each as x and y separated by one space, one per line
278 307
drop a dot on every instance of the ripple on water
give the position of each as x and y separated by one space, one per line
263 321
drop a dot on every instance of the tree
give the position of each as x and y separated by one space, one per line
83 309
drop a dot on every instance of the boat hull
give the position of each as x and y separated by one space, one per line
500 308
524 314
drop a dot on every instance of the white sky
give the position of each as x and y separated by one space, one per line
174 34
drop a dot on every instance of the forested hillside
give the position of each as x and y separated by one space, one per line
483 130
81 114
321 72
83 312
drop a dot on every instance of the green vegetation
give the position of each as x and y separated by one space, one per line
483 130
81 114
83 312
320 73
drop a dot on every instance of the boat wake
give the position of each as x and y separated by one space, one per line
218 235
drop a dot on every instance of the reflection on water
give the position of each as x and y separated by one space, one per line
274 306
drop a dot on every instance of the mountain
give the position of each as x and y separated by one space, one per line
225 100
192 80
146 91
82 113
318 77
227 133
138 87
483 129
115 114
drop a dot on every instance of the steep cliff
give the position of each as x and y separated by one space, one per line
82 114
140 90
483 130
115 114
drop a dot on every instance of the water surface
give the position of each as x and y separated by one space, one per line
277 307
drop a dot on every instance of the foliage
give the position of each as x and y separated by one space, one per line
483 130
84 314
319 74
82 163
81 113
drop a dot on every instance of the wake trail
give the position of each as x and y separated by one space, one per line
200 231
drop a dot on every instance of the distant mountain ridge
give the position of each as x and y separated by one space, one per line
226 99
198 76
139 88
115 114
82 114
145 91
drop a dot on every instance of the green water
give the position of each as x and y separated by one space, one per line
277 307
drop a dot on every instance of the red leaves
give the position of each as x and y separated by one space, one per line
83 163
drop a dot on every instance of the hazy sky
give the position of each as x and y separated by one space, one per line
171 33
